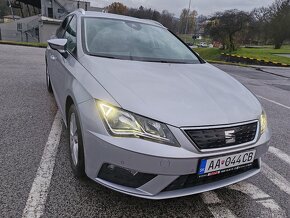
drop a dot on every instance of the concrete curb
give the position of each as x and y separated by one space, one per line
23 44
250 61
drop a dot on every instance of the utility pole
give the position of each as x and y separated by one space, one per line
11 9
187 20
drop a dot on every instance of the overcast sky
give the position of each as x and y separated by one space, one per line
206 7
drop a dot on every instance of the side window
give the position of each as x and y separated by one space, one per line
61 29
71 35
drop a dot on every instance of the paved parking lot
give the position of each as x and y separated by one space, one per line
27 113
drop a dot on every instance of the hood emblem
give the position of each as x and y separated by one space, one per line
230 136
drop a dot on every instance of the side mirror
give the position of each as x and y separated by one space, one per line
59 45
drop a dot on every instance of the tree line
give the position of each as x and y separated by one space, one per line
265 25
184 24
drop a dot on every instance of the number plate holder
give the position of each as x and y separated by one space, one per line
225 162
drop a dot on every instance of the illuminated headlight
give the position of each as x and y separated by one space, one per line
125 124
263 122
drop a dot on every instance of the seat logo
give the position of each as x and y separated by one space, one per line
230 136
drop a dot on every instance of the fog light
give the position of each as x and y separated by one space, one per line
124 176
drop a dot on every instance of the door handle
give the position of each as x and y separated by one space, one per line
52 57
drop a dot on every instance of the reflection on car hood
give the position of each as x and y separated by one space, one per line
177 94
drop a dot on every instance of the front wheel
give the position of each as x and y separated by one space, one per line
48 83
76 144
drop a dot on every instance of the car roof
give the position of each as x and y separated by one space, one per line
118 17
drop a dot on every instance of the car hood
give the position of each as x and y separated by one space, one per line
181 95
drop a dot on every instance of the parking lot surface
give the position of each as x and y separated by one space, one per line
28 115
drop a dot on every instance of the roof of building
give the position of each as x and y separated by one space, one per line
12 17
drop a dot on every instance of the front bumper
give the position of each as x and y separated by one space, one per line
100 151
166 163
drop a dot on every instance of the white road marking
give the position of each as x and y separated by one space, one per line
276 178
280 154
249 189
221 212
260 197
35 204
218 211
210 198
274 102
275 210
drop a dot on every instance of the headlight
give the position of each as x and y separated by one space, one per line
263 122
125 124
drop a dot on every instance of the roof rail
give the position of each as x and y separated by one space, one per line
82 11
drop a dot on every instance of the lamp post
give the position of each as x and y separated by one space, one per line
187 20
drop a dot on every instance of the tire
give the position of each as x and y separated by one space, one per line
76 144
48 83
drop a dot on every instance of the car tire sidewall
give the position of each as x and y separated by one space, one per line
79 168
48 83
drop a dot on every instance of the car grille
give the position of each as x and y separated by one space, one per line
223 137
193 180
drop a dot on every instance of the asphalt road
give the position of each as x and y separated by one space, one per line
27 113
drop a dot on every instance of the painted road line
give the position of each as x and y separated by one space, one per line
274 102
221 212
250 190
276 178
213 203
280 154
210 198
35 204
261 198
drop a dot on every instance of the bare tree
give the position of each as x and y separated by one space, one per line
224 27
187 21
279 24
117 8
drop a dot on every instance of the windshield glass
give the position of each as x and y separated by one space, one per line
129 40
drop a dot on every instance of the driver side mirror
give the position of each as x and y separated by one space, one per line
59 45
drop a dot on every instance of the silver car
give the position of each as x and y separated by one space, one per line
146 115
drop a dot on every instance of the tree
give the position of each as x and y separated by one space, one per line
4 9
279 24
187 21
224 26
117 8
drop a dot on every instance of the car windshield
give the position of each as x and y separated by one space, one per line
129 40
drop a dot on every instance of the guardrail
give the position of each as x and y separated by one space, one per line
253 61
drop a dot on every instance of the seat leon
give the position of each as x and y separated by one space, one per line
146 116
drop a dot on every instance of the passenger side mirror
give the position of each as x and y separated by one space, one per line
59 45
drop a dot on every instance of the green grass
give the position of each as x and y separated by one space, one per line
31 44
267 53
209 54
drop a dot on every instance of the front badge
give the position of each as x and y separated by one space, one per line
230 136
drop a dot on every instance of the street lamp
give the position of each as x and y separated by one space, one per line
187 20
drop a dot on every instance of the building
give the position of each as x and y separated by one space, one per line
44 17
10 18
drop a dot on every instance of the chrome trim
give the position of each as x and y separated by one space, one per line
183 129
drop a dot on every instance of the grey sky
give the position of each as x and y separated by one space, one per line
205 7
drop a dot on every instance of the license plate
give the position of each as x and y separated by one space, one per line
225 162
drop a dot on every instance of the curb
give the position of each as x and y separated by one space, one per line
250 61
22 44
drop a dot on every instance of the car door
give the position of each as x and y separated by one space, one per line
61 74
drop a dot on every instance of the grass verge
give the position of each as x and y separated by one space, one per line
267 54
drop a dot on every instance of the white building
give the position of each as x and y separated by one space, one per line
42 21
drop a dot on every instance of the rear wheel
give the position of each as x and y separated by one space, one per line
48 83
76 144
